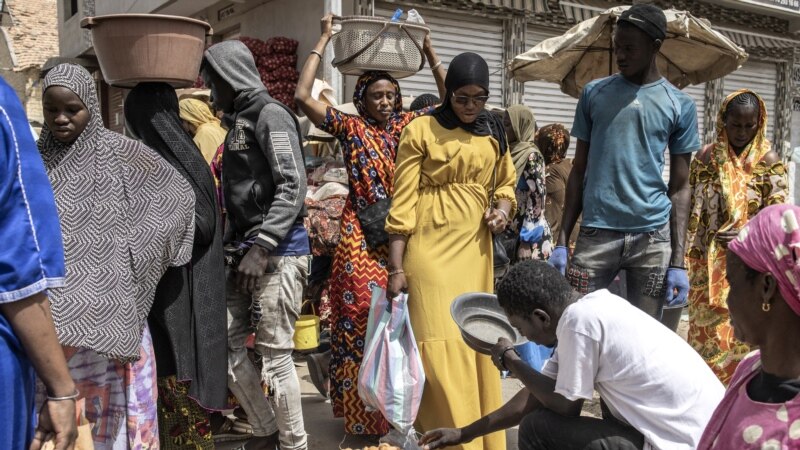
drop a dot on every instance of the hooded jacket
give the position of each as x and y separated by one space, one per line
263 181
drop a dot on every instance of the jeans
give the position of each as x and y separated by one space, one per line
546 430
279 299
600 255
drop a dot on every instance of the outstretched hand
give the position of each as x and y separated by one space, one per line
440 438
326 25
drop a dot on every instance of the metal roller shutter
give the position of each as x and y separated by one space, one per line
760 77
698 94
549 104
453 34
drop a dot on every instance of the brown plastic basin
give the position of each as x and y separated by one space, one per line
134 48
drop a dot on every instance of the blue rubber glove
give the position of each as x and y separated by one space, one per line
676 279
558 259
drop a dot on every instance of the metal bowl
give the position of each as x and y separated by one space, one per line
482 321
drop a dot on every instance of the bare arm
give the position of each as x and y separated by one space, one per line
439 73
574 195
32 323
507 416
397 280
680 194
314 109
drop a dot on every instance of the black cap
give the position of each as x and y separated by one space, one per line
648 18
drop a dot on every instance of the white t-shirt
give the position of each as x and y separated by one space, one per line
647 375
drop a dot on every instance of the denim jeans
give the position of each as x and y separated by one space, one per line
546 430
600 254
279 299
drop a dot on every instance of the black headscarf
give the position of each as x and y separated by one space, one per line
187 320
467 69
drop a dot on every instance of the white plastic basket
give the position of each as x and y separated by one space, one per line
374 43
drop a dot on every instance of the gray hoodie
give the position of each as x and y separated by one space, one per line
264 181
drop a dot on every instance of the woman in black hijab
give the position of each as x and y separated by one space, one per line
453 188
188 318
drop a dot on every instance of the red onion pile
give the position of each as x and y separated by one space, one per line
276 61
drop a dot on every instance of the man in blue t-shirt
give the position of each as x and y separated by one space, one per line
632 220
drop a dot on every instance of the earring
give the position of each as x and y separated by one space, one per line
766 306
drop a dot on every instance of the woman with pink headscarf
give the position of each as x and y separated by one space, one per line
761 408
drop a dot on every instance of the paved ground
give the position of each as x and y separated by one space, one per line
327 433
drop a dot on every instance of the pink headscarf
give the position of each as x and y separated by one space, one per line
770 242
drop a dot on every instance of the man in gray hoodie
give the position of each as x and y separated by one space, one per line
264 186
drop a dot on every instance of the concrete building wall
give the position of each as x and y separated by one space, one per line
73 40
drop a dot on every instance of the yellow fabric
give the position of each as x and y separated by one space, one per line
196 112
726 193
208 138
441 191
209 135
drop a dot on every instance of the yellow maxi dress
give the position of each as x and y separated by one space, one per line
441 191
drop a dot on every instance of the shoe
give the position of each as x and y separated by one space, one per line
233 430
318 378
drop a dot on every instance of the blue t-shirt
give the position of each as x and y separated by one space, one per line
629 127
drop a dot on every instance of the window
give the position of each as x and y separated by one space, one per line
70 8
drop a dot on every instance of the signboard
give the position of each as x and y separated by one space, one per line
230 10
791 5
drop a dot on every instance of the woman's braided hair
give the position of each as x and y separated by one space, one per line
742 100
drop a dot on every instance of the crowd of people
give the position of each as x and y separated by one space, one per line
138 267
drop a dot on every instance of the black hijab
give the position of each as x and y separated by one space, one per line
187 320
466 69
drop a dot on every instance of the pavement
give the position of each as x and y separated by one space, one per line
327 433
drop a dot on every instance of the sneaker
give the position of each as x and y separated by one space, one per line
318 378
233 430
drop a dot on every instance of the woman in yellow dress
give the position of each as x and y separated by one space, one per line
440 227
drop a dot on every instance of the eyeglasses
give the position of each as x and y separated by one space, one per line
464 100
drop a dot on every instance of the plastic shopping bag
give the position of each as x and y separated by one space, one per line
391 376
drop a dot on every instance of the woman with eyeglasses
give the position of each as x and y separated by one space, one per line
732 179
440 245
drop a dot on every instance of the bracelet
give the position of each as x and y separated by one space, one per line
314 52
61 399
505 214
436 66
503 356
396 272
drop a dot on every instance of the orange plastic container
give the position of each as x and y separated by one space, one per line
134 48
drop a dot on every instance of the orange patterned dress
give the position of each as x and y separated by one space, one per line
369 154
727 190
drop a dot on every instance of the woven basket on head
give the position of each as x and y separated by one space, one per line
374 43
